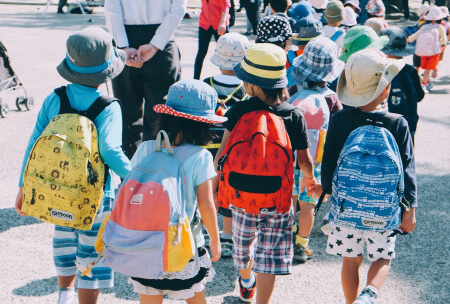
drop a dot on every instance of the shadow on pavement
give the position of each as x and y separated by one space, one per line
9 218
445 122
38 288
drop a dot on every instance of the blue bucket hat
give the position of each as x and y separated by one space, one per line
192 99
397 45
301 9
319 62
306 30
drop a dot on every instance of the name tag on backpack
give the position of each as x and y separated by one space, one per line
373 223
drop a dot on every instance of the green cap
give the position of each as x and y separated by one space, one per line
359 38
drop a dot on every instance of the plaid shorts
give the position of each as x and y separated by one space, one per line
266 238
298 176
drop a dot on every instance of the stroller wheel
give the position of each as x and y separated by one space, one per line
19 101
29 103
4 110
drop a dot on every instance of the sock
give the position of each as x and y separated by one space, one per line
248 283
301 241
66 295
294 228
371 291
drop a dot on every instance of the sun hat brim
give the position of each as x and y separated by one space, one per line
408 50
225 63
266 83
94 79
211 118
378 44
301 72
359 99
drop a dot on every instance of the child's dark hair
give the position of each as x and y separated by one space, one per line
193 131
280 43
279 6
273 95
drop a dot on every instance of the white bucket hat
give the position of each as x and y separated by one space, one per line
366 75
349 17
423 10
230 50
434 14
319 4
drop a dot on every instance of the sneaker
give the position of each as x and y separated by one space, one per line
429 86
247 294
368 296
424 88
302 254
403 19
227 247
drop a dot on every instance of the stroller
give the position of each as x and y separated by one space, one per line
9 81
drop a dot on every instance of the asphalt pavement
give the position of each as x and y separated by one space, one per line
36 45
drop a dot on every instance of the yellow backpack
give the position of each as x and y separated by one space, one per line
65 175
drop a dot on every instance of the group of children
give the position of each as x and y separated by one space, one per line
291 87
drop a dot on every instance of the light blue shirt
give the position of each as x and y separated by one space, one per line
108 123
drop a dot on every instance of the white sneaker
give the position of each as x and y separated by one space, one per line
424 88
429 86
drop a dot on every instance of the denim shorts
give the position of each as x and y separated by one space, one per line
298 176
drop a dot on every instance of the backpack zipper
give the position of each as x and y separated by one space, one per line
341 209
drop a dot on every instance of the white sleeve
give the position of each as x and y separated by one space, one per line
114 22
169 24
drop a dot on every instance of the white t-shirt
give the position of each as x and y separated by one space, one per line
329 31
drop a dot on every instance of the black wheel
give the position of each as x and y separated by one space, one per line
4 109
19 101
29 103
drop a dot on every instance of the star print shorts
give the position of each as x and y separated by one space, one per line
350 243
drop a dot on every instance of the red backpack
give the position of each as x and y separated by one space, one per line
256 167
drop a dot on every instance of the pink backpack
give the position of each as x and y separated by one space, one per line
428 43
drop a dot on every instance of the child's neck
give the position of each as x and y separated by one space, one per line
334 24
228 72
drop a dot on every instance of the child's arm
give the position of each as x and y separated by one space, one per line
209 218
413 37
306 165
109 125
442 35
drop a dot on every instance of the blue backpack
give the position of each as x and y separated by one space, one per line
368 181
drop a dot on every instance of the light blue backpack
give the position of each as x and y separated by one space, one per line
149 232
368 181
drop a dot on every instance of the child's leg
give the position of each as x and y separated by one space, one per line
198 298
227 225
146 299
306 219
226 238
88 296
247 273
378 273
426 77
350 277
265 283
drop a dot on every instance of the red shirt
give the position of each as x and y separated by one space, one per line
212 13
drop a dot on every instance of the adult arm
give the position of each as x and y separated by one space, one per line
169 24
109 129
226 4
114 22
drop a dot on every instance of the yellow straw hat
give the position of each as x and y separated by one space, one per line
264 65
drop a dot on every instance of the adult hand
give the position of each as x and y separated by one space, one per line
309 183
408 221
216 250
19 202
221 29
132 59
147 51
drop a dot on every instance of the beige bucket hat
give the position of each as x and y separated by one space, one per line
366 75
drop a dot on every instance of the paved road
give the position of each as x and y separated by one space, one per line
36 45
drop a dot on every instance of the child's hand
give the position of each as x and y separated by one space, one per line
309 183
408 221
19 202
216 250
318 191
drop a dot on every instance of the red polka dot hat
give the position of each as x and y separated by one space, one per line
191 99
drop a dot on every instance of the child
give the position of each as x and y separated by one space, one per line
274 29
213 20
377 24
373 71
375 9
430 38
409 30
350 19
446 25
258 246
359 38
334 14
406 90
319 6
302 9
230 50
304 31
187 116
86 51
279 8
318 65
354 5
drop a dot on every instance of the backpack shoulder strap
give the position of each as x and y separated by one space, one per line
98 106
336 35
64 103
386 121
291 55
